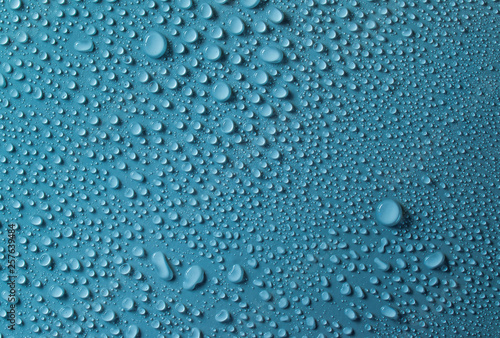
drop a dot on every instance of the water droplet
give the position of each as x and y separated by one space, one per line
155 45
160 262
221 91
388 212
84 46
435 260
193 277
271 54
389 312
237 274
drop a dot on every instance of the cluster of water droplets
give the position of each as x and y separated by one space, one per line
251 168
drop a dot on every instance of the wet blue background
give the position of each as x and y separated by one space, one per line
188 168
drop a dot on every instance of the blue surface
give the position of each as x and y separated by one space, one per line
187 168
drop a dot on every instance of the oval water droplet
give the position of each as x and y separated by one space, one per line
155 44
271 55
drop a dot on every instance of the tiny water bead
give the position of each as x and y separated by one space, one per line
389 212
